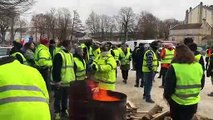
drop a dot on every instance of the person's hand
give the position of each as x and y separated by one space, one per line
95 90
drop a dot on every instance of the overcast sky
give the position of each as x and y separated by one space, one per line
163 9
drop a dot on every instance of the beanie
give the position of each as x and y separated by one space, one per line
44 41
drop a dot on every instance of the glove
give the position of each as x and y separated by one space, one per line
94 67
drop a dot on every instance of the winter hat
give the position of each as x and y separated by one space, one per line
52 41
44 41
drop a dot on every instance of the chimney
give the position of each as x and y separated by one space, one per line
187 17
190 9
201 3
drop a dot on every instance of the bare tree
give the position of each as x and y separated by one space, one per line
21 25
64 22
4 25
164 27
93 23
39 23
126 19
77 26
51 23
148 25
14 6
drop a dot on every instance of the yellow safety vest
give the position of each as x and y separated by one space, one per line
56 50
188 84
80 73
125 59
67 70
116 52
154 62
83 46
197 57
22 56
169 55
42 56
24 95
106 71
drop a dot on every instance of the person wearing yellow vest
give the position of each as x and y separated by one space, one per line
79 64
43 60
115 54
183 82
85 47
63 74
167 55
105 69
17 53
197 54
125 58
210 70
149 68
24 95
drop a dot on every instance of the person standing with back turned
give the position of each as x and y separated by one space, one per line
183 83
24 95
43 60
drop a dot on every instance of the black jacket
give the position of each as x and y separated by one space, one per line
170 83
57 65
137 57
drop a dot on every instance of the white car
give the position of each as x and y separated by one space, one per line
4 51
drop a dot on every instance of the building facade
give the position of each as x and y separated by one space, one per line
196 31
200 12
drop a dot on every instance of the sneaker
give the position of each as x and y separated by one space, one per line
150 101
136 85
57 116
161 86
141 85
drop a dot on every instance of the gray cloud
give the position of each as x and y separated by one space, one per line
161 8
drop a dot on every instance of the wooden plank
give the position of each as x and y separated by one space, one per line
161 116
156 109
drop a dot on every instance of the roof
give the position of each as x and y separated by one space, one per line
208 37
187 26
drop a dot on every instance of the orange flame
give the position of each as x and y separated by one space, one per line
103 96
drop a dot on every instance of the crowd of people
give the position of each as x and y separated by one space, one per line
61 64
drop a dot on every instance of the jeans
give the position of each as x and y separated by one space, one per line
148 79
46 76
139 75
164 70
61 96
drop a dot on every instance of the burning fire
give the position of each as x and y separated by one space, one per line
103 96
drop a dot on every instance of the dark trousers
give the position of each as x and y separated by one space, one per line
182 112
163 72
61 96
46 76
139 75
125 74
148 79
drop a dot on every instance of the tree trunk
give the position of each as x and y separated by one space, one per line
12 29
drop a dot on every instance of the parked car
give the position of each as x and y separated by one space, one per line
4 51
